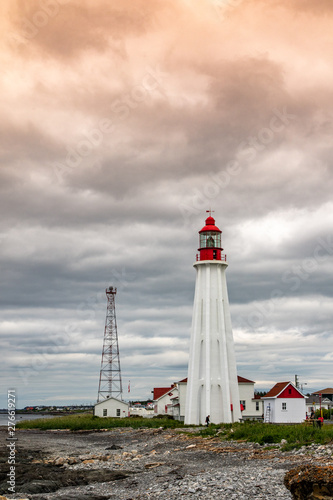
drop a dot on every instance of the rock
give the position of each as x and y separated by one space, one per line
114 447
41 486
84 496
310 482
59 461
5 498
154 464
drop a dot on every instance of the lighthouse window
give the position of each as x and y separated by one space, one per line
210 239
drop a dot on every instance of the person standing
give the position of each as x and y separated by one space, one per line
207 420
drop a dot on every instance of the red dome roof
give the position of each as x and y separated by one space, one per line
210 225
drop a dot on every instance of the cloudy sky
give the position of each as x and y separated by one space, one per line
121 124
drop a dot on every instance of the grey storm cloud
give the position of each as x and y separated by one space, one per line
123 124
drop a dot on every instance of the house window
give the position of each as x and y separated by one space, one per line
118 412
105 412
289 391
257 406
243 403
284 406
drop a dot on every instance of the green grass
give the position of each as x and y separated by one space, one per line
257 432
89 422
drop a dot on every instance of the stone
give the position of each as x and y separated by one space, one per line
310 482
5 498
153 465
59 461
114 447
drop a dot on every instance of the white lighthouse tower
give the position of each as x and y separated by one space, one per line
212 385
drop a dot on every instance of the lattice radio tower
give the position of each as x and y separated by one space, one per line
110 375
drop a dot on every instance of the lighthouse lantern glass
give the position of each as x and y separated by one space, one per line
210 239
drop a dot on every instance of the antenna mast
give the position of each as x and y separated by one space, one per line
110 375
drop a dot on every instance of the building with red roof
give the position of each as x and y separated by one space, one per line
284 403
172 400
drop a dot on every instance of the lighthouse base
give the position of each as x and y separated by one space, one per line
212 386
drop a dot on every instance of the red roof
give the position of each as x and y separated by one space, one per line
242 380
210 226
281 387
276 389
184 380
159 391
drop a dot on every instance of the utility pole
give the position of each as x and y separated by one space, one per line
110 384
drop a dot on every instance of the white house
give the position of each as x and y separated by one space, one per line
163 399
178 400
315 402
284 403
172 400
327 393
111 407
252 407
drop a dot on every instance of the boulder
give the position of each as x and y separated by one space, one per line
310 482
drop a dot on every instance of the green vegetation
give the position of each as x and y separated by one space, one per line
326 414
90 422
257 432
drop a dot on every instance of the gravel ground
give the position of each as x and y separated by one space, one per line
141 464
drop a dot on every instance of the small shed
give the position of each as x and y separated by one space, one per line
284 403
111 407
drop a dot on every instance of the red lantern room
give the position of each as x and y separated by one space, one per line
210 241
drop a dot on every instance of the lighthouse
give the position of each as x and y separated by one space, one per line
212 385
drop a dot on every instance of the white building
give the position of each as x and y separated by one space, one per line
111 407
252 407
284 403
164 399
316 402
175 404
212 387
172 400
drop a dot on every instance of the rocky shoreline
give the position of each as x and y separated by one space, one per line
150 463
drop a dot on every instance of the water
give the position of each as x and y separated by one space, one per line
19 417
